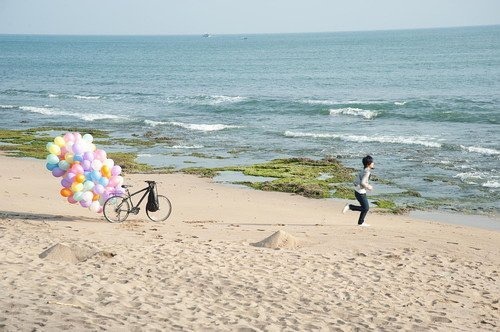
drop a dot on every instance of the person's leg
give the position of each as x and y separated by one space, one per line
353 207
363 200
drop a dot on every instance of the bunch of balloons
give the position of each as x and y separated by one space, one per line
88 177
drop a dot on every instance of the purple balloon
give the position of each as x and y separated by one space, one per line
87 165
66 183
88 156
57 172
77 148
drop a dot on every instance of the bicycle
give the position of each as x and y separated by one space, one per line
117 208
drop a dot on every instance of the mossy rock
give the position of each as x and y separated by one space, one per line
303 188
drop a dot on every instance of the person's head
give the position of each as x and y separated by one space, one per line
368 162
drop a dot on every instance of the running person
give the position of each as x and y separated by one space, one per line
362 184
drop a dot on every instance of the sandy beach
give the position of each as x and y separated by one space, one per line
203 268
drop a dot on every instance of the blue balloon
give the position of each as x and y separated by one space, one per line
78 157
104 181
50 167
95 175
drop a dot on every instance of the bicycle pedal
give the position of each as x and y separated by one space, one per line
134 210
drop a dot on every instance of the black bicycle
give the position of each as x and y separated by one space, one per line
158 208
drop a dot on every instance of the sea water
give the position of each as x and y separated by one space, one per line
424 103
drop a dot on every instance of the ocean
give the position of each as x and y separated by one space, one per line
424 103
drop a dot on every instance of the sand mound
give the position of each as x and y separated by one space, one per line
61 252
280 239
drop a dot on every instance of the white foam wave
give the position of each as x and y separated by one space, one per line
491 184
367 114
203 127
152 123
207 100
41 110
469 177
400 103
51 95
336 102
368 139
96 116
87 97
478 149
226 99
7 106
56 112
187 147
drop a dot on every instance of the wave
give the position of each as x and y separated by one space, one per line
55 112
86 97
201 100
491 184
187 147
42 110
203 127
345 102
367 114
469 177
478 149
369 139
400 103
7 106
152 123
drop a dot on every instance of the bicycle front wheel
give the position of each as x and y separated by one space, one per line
165 208
116 209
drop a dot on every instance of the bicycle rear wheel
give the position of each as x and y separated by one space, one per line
165 208
116 209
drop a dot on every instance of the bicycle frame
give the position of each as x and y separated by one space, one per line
129 196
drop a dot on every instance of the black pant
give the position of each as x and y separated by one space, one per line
363 208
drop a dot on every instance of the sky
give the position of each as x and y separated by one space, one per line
169 17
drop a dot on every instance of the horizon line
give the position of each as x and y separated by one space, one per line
244 33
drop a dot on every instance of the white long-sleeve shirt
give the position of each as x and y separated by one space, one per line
361 183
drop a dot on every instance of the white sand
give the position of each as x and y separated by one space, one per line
199 271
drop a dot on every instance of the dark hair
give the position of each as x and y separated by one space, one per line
367 160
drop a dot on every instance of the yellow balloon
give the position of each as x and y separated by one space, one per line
55 149
59 141
69 157
76 187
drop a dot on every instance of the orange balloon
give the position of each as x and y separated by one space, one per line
80 178
105 169
96 197
66 192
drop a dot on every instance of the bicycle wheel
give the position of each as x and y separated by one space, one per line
165 208
116 209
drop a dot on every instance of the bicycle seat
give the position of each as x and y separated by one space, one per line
125 186
150 182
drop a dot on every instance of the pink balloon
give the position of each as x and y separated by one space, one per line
116 170
69 137
100 154
77 169
70 176
71 200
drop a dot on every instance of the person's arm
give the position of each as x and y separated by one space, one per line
364 181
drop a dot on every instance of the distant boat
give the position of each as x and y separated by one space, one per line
206 35
244 38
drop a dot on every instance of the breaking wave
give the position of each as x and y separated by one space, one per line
367 114
203 127
369 139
